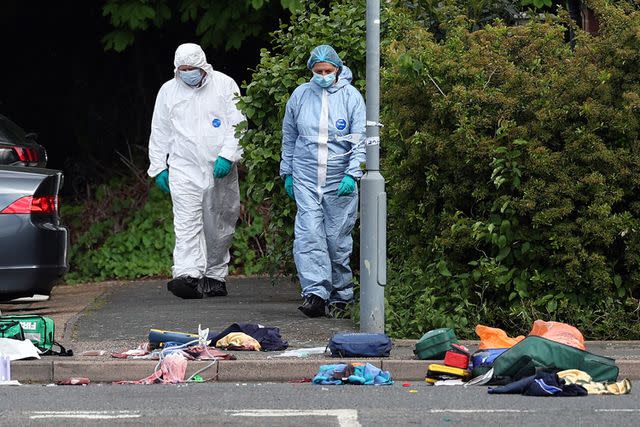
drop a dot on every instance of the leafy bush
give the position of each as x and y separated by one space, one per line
121 233
279 72
512 162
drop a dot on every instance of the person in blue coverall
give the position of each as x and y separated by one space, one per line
322 151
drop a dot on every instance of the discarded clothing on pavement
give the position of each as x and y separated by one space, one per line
268 337
172 371
574 376
194 352
541 384
238 341
352 373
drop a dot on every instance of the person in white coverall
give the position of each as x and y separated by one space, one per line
193 153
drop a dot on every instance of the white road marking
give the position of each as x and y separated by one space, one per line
346 417
88 415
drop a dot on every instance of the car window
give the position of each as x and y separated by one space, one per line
10 131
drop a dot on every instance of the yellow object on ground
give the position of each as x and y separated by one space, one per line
574 376
238 341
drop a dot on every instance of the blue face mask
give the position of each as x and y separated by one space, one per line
324 81
192 77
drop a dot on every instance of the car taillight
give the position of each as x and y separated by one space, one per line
33 205
26 155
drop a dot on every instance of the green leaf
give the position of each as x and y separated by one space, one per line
504 252
443 270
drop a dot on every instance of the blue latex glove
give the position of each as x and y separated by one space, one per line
162 181
222 167
347 186
288 186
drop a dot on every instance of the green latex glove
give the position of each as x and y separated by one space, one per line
222 167
347 186
288 186
162 181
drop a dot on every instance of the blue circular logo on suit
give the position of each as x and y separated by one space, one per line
341 124
216 123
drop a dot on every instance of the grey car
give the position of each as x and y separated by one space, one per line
18 148
33 242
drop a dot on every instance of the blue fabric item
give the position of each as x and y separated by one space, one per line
288 186
347 186
192 77
360 344
318 162
221 167
268 337
541 384
162 181
324 81
324 53
486 357
361 374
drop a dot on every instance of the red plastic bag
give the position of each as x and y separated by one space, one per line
558 332
491 338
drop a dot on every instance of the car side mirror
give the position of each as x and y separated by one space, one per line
31 135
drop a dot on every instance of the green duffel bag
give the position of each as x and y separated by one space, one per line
40 330
535 352
435 343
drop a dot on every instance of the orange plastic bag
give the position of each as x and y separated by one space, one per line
558 332
495 338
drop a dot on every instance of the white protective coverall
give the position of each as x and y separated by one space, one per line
191 127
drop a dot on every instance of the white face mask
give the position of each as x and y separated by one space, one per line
191 77
324 81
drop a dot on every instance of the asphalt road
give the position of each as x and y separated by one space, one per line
304 404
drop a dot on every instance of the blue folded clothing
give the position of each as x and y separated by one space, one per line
352 373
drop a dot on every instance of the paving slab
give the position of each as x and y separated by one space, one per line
126 313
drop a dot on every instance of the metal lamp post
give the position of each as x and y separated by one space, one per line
373 199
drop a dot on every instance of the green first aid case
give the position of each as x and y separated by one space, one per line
11 329
39 329
435 343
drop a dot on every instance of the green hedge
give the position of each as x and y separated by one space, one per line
513 168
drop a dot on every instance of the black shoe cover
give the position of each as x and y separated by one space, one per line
214 288
186 287
313 306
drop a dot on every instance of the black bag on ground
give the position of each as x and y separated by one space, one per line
357 344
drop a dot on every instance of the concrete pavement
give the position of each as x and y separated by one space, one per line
116 316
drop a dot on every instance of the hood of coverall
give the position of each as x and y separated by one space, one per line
191 54
344 79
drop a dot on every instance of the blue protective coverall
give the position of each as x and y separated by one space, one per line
317 158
